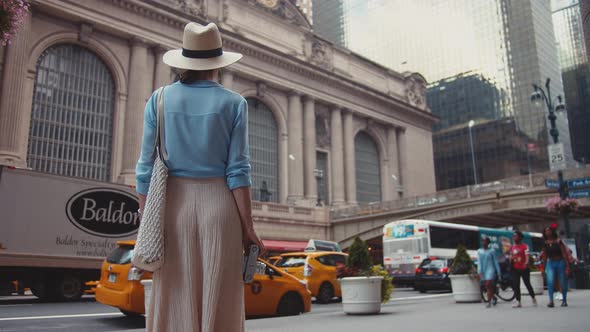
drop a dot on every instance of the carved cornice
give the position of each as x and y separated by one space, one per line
193 7
321 55
164 12
175 13
319 75
415 91
284 9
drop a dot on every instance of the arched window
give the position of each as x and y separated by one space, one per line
264 151
72 116
368 177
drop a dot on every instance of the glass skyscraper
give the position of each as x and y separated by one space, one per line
481 58
575 71
328 20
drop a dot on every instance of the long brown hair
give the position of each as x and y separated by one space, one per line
191 76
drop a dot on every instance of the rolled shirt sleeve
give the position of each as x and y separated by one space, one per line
237 171
145 164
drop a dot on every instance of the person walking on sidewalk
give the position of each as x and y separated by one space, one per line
519 257
208 220
488 270
554 256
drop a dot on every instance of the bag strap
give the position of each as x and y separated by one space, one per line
160 145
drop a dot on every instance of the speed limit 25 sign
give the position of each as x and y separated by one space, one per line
556 157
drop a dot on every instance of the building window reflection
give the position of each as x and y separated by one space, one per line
72 114
368 175
263 139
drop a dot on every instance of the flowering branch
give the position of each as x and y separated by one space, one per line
558 205
12 14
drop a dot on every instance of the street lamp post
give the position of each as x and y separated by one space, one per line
471 124
539 97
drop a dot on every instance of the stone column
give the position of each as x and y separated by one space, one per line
283 166
140 87
227 79
349 160
15 107
162 71
2 49
403 160
295 154
309 144
393 156
386 180
337 157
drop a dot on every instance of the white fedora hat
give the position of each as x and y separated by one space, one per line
201 49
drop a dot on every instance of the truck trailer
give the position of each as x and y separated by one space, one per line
55 231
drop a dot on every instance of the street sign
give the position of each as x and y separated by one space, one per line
556 157
553 184
579 193
578 183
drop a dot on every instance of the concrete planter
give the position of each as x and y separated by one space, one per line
361 295
466 289
536 282
147 291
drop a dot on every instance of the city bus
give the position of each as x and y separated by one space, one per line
407 242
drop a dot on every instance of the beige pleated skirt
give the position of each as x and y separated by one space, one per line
199 288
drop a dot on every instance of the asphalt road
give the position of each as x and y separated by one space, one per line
29 314
408 311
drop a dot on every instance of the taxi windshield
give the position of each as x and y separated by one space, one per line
291 261
121 255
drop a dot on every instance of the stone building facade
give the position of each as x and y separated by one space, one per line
322 119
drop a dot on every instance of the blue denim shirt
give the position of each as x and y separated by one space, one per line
206 134
488 264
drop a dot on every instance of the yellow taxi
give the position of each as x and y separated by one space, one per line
271 292
318 269
273 260
119 285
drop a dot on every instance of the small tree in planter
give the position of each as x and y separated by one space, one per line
464 278
364 287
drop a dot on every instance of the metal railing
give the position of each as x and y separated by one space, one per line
520 183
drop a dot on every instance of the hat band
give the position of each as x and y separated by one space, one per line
202 54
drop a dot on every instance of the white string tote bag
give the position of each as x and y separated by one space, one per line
149 247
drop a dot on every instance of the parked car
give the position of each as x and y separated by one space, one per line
271 292
433 274
318 269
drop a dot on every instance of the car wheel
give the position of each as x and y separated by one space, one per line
326 293
290 305
130 314
422 290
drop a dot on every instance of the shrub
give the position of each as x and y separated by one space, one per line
386 284
358 257
462 264
359 264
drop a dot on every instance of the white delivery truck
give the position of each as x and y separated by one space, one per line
55 231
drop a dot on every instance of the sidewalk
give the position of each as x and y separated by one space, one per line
439 314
